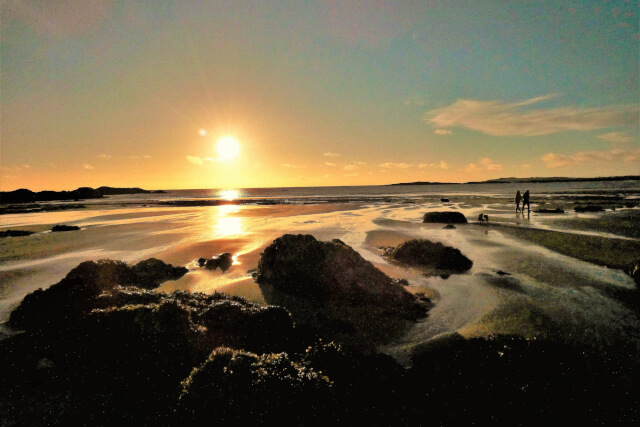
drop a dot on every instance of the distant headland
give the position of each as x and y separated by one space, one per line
528 180
27 196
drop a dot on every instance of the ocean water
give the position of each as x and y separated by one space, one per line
283 195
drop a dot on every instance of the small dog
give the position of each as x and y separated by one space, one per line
483 218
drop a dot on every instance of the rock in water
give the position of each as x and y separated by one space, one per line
436 257
57 228
15 233
330 287
445 217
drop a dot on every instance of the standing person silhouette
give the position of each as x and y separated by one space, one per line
518 197
525 201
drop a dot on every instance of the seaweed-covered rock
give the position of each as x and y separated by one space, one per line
245 387
15 233
331 287
436 257
58 228
151 272
448 217
74 296
103 346
224 261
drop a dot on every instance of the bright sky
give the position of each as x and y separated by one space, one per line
124 93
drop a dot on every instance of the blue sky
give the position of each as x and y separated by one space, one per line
316 92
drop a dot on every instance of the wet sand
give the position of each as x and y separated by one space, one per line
563 278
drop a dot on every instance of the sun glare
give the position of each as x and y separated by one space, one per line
228 148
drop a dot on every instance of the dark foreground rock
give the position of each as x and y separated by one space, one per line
15 233
329 287
436 258
445 217
57 228
131 356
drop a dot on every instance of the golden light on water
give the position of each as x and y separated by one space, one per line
228 148
229 195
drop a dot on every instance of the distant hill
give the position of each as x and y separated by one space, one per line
27 196
529 180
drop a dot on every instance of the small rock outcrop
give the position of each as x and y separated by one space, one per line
331 288
589 208
550 211
445 217
15 233
57 228
224 261
437 258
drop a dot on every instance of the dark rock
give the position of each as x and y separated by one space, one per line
449 227
444 200
445 217
436 257
15 233
503 273
589 208
57 228
550 211
244 387
324 284
224 261
151 272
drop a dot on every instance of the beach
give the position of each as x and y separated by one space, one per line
566 265
560 278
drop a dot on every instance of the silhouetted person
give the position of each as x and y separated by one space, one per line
525 201
518 197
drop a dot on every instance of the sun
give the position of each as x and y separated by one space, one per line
227 148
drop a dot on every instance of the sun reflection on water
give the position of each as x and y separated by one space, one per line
229 195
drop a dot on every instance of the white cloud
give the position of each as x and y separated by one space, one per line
499 118
195 160
330 154
290 166
351 174
485 164
395 165
146 156
104 156
616 137
87 166
359 163
330 164
442 132
329 175
351 167
441 165
554 160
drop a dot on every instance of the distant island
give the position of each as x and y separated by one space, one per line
27 196
528 180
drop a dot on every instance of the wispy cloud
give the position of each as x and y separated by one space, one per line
87 166
500 118
554 160
330 164
390 165
616 137
442 132
330 154
290 166
351 174
145 156
15 168
195 160
485 164
104 156
441 165
351 167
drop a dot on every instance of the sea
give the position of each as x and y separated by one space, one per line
622 190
